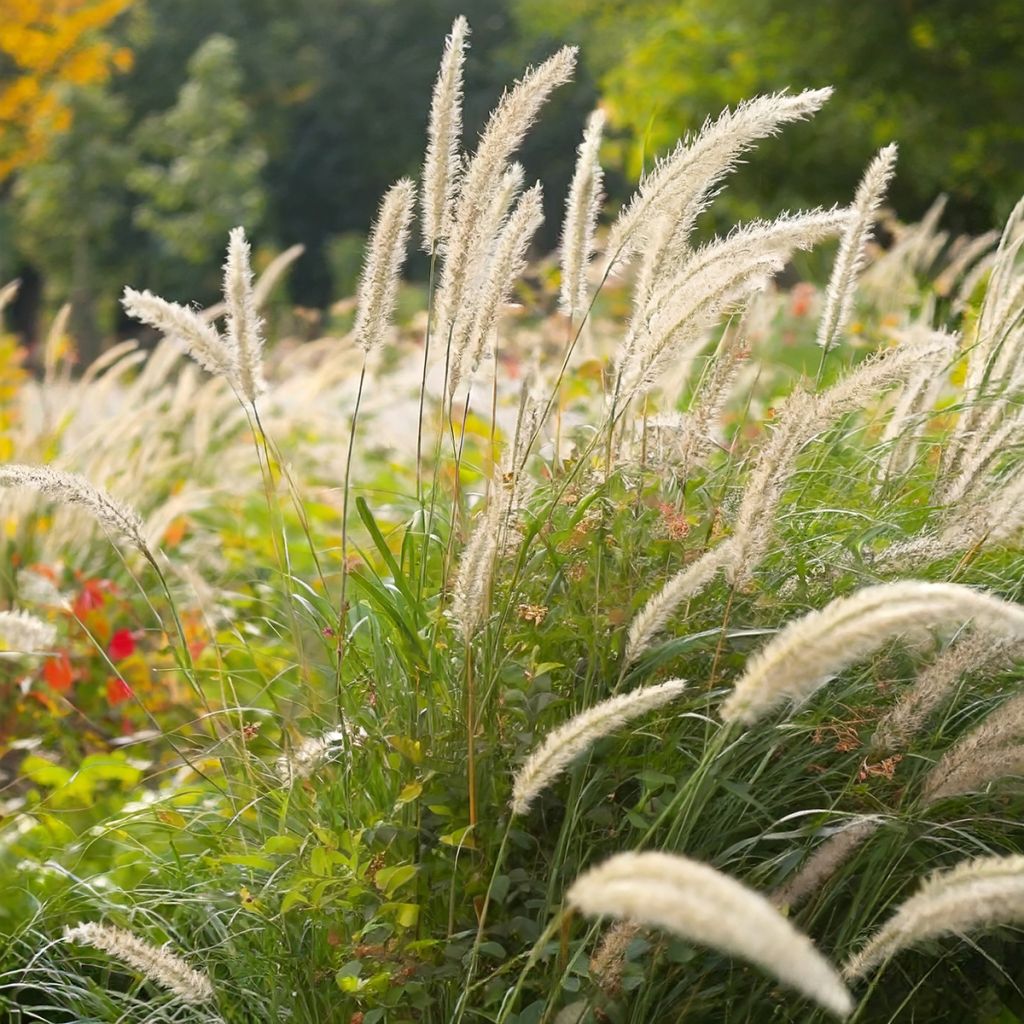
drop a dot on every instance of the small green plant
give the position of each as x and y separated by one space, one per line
438 747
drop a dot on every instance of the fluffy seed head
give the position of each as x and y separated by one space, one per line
158 964
571 739
72 489
23 633
851 256
812 649
679 184
378 286
244 325
702 905
975 895
473 332
444 137
581 210
188 329
472 232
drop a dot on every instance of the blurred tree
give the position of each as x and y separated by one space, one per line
201 162
941 77
45 44
342 92
69 210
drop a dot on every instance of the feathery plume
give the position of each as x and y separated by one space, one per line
8 292
244 325
916 400
974 653
23 633
72 489
680 183
188 329
824 862
688 582
989 752
851 256
561 747
273 272
444 137
816 647
302 760
385 254
801 417
609 959
157 963
582 207
695 434
975 895
722 272
476 570
507 264
703 905
470 237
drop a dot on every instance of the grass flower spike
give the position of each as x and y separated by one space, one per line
703 905
72 489
157 964
244 326
444 139
851 258
816 647
188 328
974 895
385 254
568 741
581 210
23 633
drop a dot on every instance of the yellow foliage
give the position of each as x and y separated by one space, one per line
45 44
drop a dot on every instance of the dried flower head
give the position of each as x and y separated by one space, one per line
812 649
23 633
703 905
974 895
385 254
561 747
444 138
244 325
158 964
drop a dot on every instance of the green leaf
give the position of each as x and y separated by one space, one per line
281 844
406 914
248 860
409 793
390 879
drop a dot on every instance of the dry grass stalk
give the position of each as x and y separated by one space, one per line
703 905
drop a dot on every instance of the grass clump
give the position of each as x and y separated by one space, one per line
427 723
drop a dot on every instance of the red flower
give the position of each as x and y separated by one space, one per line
122 645
57 671
118 691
